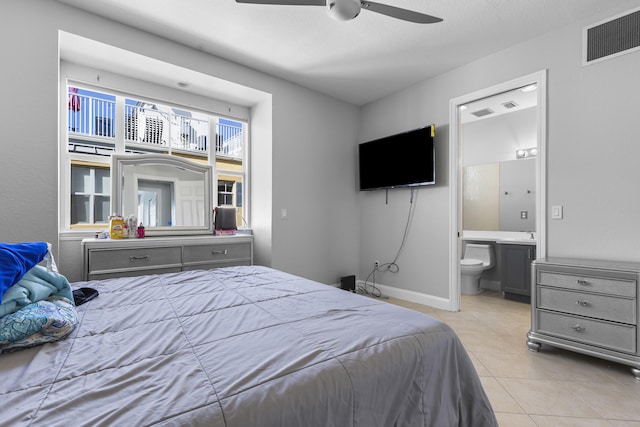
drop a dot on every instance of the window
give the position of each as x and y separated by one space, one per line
225 193
90 194
100 123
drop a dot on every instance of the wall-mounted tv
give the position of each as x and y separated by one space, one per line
403 160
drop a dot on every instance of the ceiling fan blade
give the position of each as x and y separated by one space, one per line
396 12
286 2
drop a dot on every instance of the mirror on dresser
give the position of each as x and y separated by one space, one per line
168 195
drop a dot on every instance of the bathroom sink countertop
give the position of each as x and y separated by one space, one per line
516 242
504 238
480 239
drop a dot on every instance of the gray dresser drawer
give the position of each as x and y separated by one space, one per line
219 264
585 304
599 333
108 274
134 258
214 253
611 286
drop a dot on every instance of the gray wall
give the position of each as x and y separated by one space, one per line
303 154
592 168
298 161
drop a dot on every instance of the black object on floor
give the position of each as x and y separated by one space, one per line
348 283
82 295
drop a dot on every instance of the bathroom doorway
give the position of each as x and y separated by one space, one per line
464 110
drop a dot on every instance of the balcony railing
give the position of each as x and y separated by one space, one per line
229 141
93 119
91 116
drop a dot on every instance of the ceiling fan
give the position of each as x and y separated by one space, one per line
345 10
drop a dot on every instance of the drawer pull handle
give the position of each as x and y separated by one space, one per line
223 252
582 303
581 282
577 328
136 258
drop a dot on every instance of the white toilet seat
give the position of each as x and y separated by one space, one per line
470 262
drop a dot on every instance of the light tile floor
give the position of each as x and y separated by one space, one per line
551 388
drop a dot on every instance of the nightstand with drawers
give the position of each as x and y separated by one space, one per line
587 306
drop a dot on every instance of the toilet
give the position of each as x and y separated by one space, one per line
477 258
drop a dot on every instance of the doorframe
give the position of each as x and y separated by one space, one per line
455 172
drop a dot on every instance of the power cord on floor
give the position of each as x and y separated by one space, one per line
370 289
392 266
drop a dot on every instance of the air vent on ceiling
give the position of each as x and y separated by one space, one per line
483 112
509 105
612 37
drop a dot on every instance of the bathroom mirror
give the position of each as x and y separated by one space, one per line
500 196
168 195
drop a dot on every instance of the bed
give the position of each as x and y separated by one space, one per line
242 346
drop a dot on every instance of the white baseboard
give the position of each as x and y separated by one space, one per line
413 296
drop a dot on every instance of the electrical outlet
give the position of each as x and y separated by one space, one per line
376 264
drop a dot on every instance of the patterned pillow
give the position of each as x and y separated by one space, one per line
37 323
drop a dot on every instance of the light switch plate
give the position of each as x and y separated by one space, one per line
556 212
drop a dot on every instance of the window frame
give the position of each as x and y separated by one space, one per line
228 192
92 194
68 158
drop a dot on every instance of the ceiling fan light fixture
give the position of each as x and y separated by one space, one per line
343 10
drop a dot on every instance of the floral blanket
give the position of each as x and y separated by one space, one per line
37 323
36 304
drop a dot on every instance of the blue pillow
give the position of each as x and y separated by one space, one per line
18 258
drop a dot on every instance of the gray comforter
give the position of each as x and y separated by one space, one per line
243 346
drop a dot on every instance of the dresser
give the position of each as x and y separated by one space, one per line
587 306
105 258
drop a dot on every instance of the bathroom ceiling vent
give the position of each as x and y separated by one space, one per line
483 112
509 105
611 37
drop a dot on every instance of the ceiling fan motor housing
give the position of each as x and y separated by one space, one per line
343 10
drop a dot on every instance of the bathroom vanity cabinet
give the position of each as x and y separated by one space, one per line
516 270
587 306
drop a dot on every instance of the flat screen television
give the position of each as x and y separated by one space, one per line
403 160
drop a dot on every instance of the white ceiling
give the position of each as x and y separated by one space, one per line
517 100
357 61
